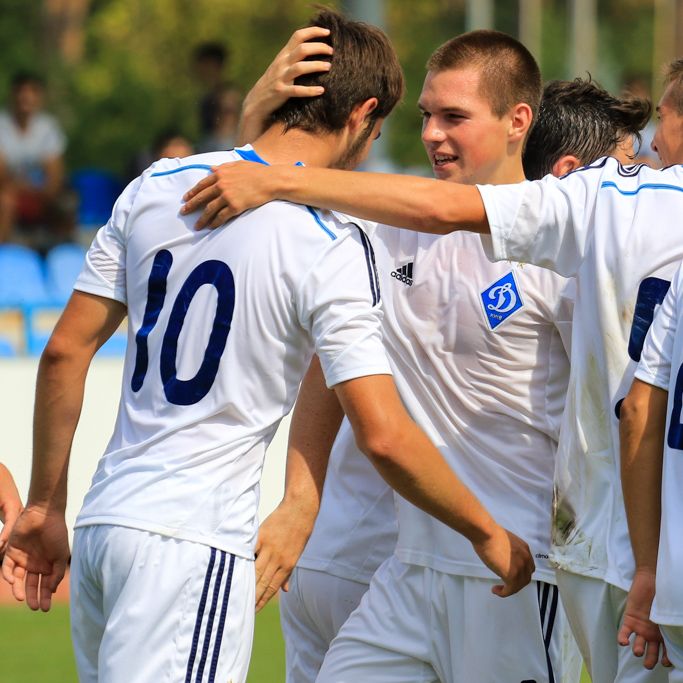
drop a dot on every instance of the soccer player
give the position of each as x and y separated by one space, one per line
443 298
579 122
649 490
610 226
651 442
668 139
223 326
10 505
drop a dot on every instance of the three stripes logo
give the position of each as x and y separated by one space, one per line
404 274
211 618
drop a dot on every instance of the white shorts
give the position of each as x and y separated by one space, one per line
418 625
153 609
595 609
673 637
311 614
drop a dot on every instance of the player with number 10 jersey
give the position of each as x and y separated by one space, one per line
186 455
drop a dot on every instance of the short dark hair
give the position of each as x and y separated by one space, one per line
674 75
508 72
22 78
364 65
214 52
582 119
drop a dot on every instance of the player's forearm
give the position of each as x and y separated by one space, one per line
315 423
641 428
252 119
417 471
59 398
421 204
407 459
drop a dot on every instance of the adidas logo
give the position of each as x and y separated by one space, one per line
404 274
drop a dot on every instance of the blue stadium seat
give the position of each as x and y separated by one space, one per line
63 264
7 349
22 281
97 192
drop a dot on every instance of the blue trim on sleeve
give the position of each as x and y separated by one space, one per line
204 167
250 155
372 268
320 223
644 186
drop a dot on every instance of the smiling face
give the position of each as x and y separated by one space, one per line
668 140
465 141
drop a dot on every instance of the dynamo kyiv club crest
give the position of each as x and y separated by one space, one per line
501 300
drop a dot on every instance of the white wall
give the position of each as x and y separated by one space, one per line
17 385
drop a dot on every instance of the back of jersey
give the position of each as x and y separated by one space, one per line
618 230
222 326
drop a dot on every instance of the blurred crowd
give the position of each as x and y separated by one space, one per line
43 205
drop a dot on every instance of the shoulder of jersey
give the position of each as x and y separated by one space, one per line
313 221
196 162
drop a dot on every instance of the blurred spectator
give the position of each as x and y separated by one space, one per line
31 164
636 85
209 61
223 132
169 143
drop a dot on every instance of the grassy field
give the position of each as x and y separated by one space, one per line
35 648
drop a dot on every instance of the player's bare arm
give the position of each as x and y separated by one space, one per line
641 431
283 535
413 466
277 83
38 549
10 506
423 204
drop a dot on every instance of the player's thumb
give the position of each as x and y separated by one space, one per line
502 590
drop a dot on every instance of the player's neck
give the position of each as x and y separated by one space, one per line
278 147
510 171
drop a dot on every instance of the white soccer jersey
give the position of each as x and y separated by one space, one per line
661 364
222 326
477 356
479 361
617 229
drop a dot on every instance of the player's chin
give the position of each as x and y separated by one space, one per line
448 171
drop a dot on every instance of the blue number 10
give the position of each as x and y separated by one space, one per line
215 273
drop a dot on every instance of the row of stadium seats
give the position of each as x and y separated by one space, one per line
33 292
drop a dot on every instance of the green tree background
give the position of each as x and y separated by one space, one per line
119 71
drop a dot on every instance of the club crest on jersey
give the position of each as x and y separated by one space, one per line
501 300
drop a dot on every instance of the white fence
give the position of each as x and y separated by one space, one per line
17 387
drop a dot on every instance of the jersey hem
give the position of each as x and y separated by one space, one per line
565 565
180 534
459 568
100 290
340 571
346 375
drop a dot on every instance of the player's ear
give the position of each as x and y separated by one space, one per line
360 113
520 121
565 164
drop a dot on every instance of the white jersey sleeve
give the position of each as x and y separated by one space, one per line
544 222
104 271
344 330
655 360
